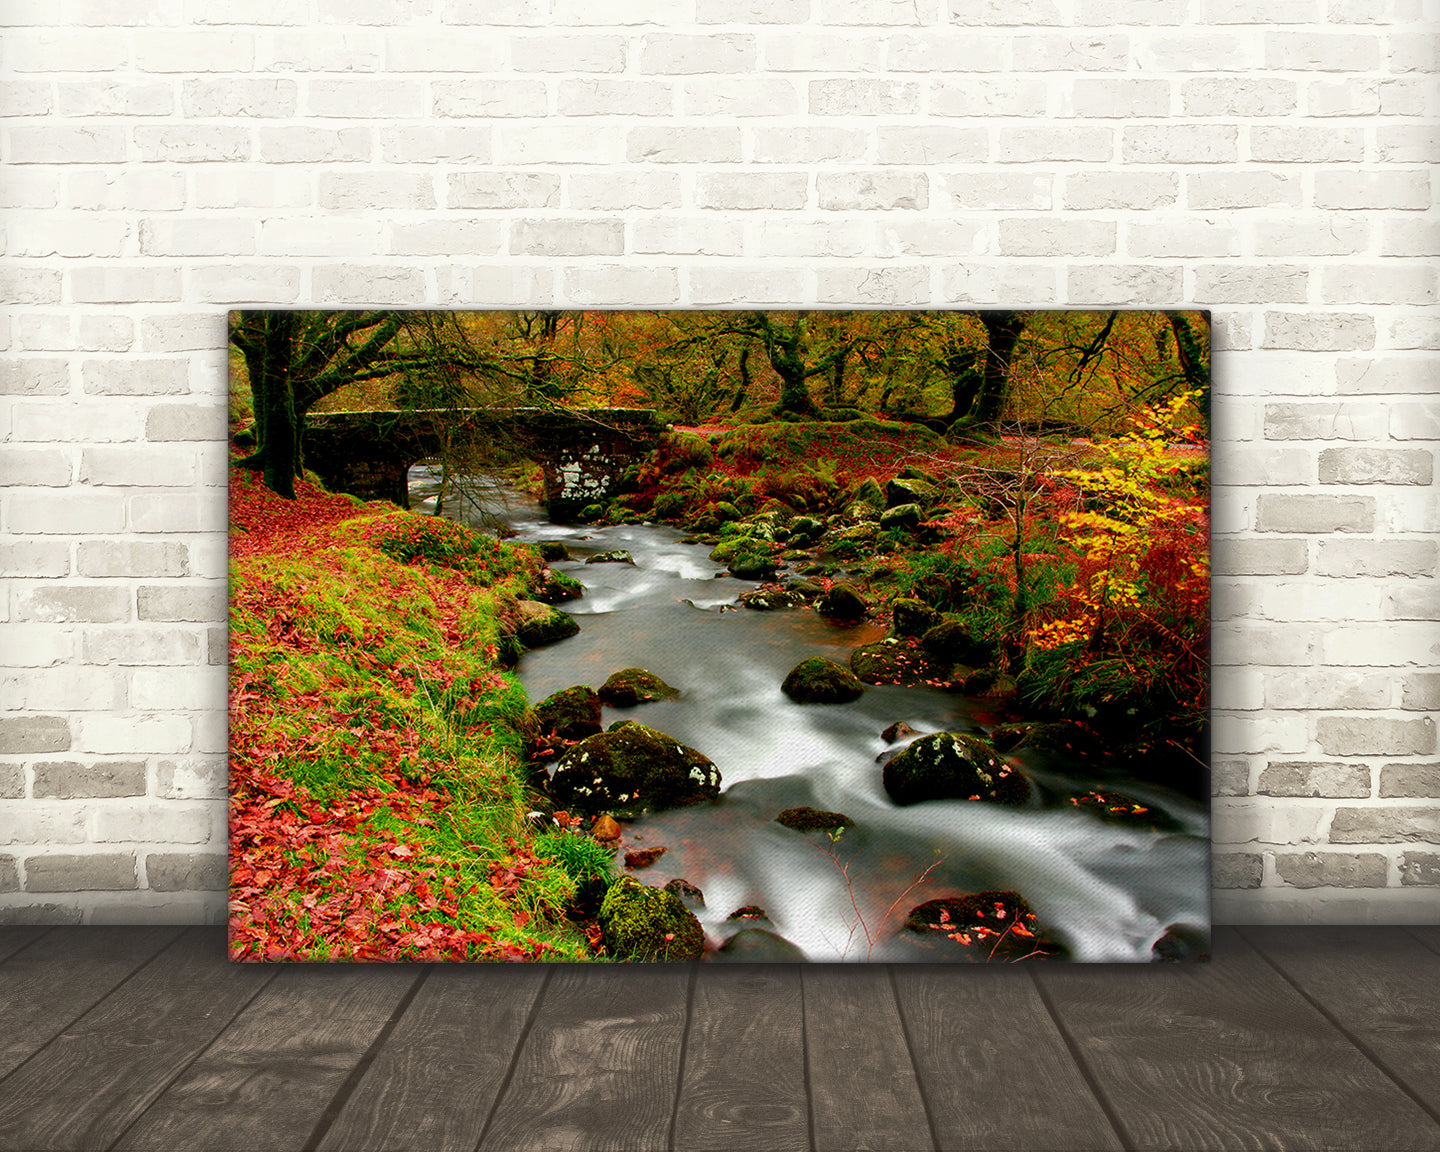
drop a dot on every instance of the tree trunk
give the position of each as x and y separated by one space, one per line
1002 332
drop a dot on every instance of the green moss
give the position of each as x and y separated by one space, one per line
641 923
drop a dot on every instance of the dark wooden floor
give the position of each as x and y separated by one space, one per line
146 1038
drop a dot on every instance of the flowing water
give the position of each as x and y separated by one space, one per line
1106 892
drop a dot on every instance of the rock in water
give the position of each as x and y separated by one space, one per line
806 819
821 681
842 602
994 926
953 642
631 686
541 624
640 923
952 766
612 556
758 946
571 713
913 617
632 768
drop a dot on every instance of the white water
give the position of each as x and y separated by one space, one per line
1108 893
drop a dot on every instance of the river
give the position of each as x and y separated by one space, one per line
1107 893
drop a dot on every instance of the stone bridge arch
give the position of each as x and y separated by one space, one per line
583 452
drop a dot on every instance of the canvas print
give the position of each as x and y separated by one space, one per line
748 636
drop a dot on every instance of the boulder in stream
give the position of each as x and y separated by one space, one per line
632 768
953 766
631 686
642 923
821 681
953 642
981 926
806 819
893 661
540 624
903 516
842 602
758 946
551 550
913 617
571 713
611 556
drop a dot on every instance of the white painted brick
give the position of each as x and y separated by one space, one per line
1179 144
752 11
1322 51
862 96
1353 96
1319 601
1022 144
120 13
1391 283
28 98
1385 376
807 144
1238 689
1197 52
35 645
899 237
673 54
1371 190
1005 284
494 285
248 12
256 285
357 285
883 12
809 50
135 377
114 98
1123 189
623 189
1407 96
1259 733
189 50
945 51
1319 331
193 237
685 236
1409 236
1407 144
1293 143
1238 96
332 50
1328 689
1117 285
874 286
35 467
127 285
1148 12
622 284
604 97
371 191
1043 236
167 823
1194 238
843 238
135 646
1380 645
251 186
441 50
1092 52
716 286
558 237
135 189
174 512
1238 284
1300 235
64 689
740 96
66 50
446 238
985 96
683 145
753 190
66 144
990 13
555 53
563 144
499 189
37 236
632 12
235 96
30 188
1258 11
489 99
506 12
1414 422
192 143
151 465
303 144
94 421
365 98
931 144
871 190
173 689
1243 189
379 12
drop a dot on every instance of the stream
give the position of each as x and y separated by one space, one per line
1106 892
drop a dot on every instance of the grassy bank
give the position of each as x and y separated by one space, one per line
377 802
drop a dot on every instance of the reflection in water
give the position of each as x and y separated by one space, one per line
1108 893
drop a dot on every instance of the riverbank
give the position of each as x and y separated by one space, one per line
378 810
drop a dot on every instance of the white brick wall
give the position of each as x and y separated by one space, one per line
1269 159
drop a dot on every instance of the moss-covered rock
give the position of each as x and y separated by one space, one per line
842 602
631 686
552 550
953 642
772 600
821 681
903 516
869 493
752 566
1068 739
805 530
894 661
981 926
642 923
913 617
571 713
632 768
540 624
952 766
611 556
557 587
807 819
1125 811
905 491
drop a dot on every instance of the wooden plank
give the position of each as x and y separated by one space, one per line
1427 934
982 1039
14 937
92 1081
439 1073
744 1084
267 1080
1226 1055
864 1093
1381 985
61 976
600 1066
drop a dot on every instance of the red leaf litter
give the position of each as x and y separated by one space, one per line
261 521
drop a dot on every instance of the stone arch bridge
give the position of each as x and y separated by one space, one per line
583 451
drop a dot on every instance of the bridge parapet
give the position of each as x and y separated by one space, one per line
582 451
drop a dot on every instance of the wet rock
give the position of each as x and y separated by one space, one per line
805 530
895 662
821 681
691 895
1066 738
806 819
605 828
552 550
913 617
905 491
952 766
911 472
904 516
897 731
644 857
556 588
611 556
749 912
869 494
540 624
772 601
998 926
804 587
1125 811
842 602
631 686
640 923
632 768
1181 943
953 642
758 946
751 566
571 713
